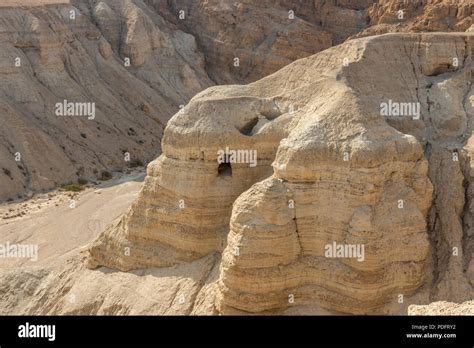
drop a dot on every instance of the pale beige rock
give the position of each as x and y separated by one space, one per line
71 289
83 59
443 308
401 193
171 59
308 117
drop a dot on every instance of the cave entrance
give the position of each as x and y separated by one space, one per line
225 168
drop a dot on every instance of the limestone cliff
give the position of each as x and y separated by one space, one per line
138 61
333 169
264 35
418 15
100 54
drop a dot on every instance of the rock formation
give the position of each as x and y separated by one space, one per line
175 49
79 50
266 35
80 54
341 183
351 143
443 308
418 15
227 30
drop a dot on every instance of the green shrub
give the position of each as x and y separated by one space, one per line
73 187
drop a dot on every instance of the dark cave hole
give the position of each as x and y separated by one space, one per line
248 127
224 169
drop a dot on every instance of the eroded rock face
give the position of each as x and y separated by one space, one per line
244 289
184 209
83 59
418 15
47 57
443 308
347 173
330 169
266 35
176 49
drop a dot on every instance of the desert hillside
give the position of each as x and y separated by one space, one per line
322 165
88 86
31 3
331 167
221 157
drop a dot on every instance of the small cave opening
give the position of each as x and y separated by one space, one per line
225 168
247 128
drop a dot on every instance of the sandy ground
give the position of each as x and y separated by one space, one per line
58 282
61 223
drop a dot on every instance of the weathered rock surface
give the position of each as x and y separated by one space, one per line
418 15
71 289
265 35
234 237
82 60
176 49
29 3
342 173
443 308
48 57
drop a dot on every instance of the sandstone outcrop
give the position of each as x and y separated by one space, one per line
333 169
226 30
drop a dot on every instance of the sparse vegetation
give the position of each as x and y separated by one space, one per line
72 187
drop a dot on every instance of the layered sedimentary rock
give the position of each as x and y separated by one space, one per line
338 211
184 208
266 35
138 61
79 53
418 15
